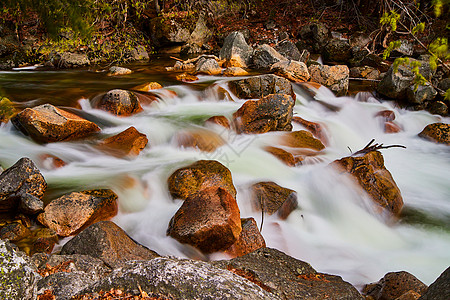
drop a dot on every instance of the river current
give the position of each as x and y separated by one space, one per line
332 229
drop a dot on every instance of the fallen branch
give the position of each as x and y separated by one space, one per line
369 148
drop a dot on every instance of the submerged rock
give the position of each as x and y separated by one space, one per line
117 71
22 180
256 87
172 278
18 277
288 278
394 285
200 175
371 174
47 124
270 113
107 241
204 140
271 198
73 212
208 220
437 132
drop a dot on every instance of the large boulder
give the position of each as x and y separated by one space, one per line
396 82
200 175
370 173
289 50
18 277
65 275
313 37
338 51
127 143
249 240
169 31
65 60
437 132
256 87
271 198
270 113
208 220
208 66
235 51
170 278
107 241
421 93
118 102
22 180
293 70
336 78
393 285
439 289
46 124
71 213
288 278
265 56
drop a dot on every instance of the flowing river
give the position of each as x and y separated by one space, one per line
332 229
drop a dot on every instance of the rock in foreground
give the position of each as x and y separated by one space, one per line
47 124
70 213
208 220
374 178
256 87
270 113
437 132
108 242
199 175
287 277
179 279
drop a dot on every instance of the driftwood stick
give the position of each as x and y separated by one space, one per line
369 148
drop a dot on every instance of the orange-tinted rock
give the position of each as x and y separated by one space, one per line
20 180
185 77
117 71
207 66
249 240
437 132
13 231
391 127
39 240
208 220
272 198
283 155
219 120
146 87
256 87
371 174
394 285
387 115
223 94
290 69
336 78
234 71
46 124
201 139
118 102
71 213
200 175
108 242
270 113
301 139
409 295
127 143
316 129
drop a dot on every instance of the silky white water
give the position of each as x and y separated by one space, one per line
333 229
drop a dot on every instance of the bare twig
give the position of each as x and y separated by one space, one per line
369 148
